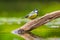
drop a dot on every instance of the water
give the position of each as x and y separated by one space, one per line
31 36
9 36
27 35
48 32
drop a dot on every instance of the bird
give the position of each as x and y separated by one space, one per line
32 15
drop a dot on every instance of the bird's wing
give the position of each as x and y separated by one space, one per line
31 12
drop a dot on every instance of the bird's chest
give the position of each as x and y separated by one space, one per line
32 16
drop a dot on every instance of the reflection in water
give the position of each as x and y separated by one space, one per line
27 35
30 36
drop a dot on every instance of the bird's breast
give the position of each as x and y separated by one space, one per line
33 16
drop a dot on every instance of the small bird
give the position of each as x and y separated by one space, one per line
33 14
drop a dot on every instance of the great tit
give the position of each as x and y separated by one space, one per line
33 14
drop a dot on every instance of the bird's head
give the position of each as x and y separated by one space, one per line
36 10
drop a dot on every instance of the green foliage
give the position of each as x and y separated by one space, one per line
19 10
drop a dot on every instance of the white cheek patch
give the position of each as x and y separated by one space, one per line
36 11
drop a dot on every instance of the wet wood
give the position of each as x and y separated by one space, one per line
40 21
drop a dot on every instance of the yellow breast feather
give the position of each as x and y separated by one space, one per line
33 16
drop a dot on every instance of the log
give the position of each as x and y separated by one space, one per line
33 24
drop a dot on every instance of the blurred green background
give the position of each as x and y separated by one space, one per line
12 14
